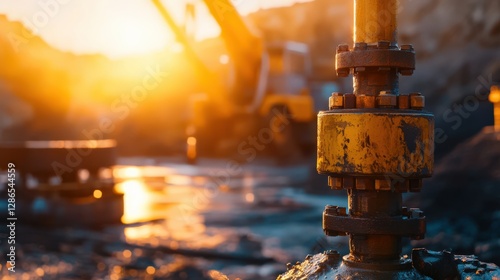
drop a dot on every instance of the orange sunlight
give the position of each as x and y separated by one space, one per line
114 28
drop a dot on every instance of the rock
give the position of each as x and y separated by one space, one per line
461 200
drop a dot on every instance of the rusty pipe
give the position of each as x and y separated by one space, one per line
375 24
375 20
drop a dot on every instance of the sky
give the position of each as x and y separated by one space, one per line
115 28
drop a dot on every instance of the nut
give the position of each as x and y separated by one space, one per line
416 213
348 183
360 46
365 101
383 44
417 101
404 101
335 183
343 72
342 48
364 184
407 47
336 101
387 100
383 185
331 210
406 72
349 101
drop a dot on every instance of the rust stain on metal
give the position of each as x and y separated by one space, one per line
375 143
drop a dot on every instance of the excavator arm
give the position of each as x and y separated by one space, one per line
245 48
204 74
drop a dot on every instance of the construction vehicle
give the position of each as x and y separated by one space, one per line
264 93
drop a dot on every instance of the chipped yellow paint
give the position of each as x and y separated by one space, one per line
375 143
495 99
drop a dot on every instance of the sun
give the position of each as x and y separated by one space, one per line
115 28
127 37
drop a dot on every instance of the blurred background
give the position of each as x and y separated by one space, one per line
218 174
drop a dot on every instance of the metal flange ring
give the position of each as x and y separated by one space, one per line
389 226
393 58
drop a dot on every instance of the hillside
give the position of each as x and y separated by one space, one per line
50 94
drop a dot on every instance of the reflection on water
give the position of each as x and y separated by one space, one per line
254 214
129 172
163 211
137 201
190 208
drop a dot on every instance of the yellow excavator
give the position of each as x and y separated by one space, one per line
261 105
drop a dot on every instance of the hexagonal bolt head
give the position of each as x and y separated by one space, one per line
349 101
336 101
383 44
403 101
387 100
407 48
360 46
383 184
417 101
342 48
331 210
406 72
415 213
335 183
342 72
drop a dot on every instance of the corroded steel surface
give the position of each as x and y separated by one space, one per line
375 143
376 57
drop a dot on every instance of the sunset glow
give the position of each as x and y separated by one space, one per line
114 28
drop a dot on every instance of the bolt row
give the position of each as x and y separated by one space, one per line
396 183
385 99
381 45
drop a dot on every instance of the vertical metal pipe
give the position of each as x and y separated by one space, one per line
375 20
372 204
